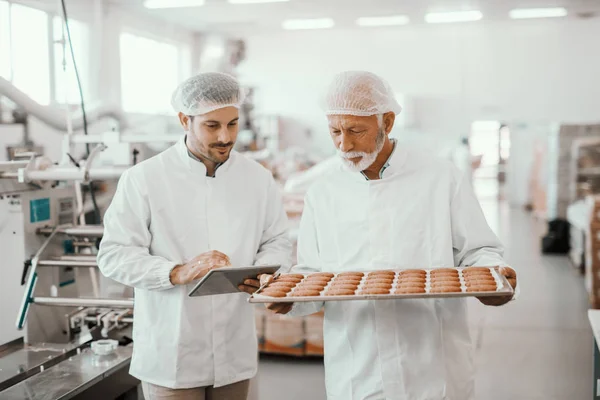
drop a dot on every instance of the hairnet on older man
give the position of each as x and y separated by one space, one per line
359 93
207 92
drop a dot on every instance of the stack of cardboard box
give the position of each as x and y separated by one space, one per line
592 255
280 334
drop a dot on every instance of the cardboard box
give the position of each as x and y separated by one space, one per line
314 334
259 317
284 335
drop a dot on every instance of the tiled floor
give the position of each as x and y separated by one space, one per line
537 348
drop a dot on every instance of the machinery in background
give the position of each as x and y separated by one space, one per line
50 276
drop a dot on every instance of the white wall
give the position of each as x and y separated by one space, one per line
539 71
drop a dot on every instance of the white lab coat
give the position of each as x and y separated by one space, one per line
421 214
166 212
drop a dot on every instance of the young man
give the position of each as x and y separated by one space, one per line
197 206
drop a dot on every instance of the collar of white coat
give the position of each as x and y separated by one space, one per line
194 165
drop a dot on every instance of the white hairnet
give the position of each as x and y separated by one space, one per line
359 93
207 92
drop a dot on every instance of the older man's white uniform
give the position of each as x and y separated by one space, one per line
420 214
165 212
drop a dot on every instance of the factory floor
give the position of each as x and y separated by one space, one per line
539 347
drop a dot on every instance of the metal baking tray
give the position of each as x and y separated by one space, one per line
226 280
503 287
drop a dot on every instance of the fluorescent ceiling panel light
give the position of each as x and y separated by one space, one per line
455 16
523 13
172 3
255 1
317 23
389 20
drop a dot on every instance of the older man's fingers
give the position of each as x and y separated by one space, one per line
252 282
247 289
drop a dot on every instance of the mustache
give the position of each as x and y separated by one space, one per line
221 145
351 154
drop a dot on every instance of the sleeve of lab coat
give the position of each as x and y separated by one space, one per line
473 241
275 247
308 257
124 251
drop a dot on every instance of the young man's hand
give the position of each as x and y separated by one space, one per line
198 267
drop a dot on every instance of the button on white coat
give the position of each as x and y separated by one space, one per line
166 212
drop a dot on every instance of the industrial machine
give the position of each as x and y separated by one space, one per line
61 320
52 291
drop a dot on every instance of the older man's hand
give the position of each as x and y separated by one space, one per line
511 277
251 285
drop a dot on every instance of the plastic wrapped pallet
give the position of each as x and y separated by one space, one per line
284 335
592 255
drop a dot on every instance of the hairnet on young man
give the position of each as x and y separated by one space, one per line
207 92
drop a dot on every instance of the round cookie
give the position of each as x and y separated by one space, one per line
442 270
382 273
445 283
289 284
307 286
473 278
322 275
346 273
377 285
336 282
413 271
485 269
318 278
305 293
469 273
339 292
273 293
379 280
301 276
442 275
288 279
320 282
409 290
410 285
374 291
457 287
344 283
412 279
479 282
443 278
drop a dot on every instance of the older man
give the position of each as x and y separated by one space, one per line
197 206
387 207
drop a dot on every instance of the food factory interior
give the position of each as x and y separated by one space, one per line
299 199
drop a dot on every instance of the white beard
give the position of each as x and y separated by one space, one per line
367 159
365 162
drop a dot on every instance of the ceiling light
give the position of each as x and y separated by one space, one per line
317 23
172 3
455 16
255 1
522 13
383 21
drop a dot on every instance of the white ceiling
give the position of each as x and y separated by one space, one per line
243 19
